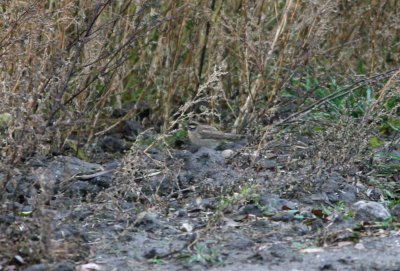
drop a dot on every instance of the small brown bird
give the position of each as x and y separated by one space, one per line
208 136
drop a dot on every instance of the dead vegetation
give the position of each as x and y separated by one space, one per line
65 66
77 58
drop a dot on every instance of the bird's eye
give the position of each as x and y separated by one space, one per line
192 126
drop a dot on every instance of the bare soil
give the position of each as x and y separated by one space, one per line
190 209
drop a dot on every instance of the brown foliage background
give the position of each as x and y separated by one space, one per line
65 65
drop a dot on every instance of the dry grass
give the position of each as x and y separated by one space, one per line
68 63
65 65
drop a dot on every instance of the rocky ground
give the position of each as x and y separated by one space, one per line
195 209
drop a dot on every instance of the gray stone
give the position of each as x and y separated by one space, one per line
112 143
63 267
348 194
370 211
274 203
227 153
37 267
64 167
396 211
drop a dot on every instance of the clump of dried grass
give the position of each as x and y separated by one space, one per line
78 60
146 178
327 143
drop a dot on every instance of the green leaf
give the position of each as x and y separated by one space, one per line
287 94
4 119
375 142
